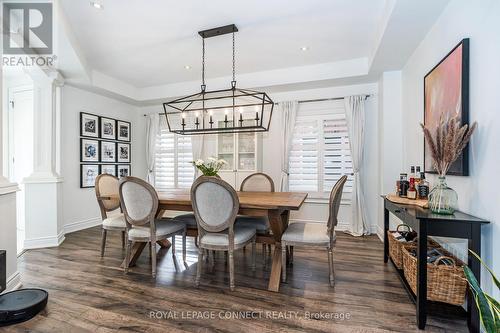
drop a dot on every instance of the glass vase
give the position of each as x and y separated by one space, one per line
443 199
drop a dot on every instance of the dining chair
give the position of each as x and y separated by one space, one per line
257 182
215 205
316 234
112 217
139 202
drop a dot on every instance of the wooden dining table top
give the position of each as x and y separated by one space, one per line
255 200
259 200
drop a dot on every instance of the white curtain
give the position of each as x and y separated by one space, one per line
197 147
152 129
288 116
355 115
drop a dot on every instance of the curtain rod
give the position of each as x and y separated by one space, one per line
303 101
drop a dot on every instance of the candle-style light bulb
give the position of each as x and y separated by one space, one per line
196 122
211 112
241 117
183 121
225 117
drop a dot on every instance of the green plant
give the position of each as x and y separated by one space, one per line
489 308
211 167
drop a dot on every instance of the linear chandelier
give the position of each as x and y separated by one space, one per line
230 110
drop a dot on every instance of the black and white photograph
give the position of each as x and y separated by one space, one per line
108 128
89 150
88 174
123 130
108 151
123 170
123 152
109 169
89 125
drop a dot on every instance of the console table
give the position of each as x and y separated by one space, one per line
425 223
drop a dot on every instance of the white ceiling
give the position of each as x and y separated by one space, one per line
148 42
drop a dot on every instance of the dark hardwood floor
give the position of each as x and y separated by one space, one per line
92 294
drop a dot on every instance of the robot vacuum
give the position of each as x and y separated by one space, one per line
21 305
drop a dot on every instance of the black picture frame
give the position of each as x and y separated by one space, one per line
118 158
112 166
103 121
98 153
128 166
83 131
82 170
119 136
461 166
101 151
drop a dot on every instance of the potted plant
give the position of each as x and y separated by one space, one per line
446 144
489 308
209 168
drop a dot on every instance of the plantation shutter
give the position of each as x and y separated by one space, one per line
173 158
320 152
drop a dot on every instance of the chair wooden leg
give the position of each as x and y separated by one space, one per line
269 249
291 254
330 264
173 246
231 270
153 259
253 253
127 255
198 268
103 241
123 239
283 262
184 246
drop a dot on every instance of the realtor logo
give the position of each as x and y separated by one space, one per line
27 28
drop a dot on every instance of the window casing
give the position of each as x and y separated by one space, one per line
320 152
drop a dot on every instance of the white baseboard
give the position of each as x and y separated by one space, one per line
80 225
42 242
380 233
14 282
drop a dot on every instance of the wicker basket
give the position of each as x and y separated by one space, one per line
395 247
444 283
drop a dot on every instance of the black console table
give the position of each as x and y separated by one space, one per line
425 223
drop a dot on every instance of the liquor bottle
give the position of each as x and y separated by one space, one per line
403 185
423 187
417 175
412 192
412 173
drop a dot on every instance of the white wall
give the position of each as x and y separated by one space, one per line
478 194
80 208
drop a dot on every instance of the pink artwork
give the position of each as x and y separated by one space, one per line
446 95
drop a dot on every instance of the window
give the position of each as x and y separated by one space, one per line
173 168
320 152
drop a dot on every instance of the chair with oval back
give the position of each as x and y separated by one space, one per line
215 205
106 190
257 182
316 234
139 202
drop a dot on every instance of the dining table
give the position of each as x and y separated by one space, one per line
275 205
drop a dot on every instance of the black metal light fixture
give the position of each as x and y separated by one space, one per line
219 111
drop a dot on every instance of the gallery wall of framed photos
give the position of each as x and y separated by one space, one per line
104 148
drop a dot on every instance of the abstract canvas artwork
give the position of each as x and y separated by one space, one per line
446 89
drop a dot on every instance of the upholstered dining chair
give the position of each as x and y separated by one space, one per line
139 202
257 182
112 217
316 234
215 205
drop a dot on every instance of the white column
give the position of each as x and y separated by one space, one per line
43 186
8 234
390 137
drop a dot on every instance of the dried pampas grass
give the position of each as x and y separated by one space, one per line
448 142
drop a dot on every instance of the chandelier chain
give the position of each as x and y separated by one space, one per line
234 61
203 62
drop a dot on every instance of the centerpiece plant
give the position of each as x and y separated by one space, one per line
446 142
211 167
